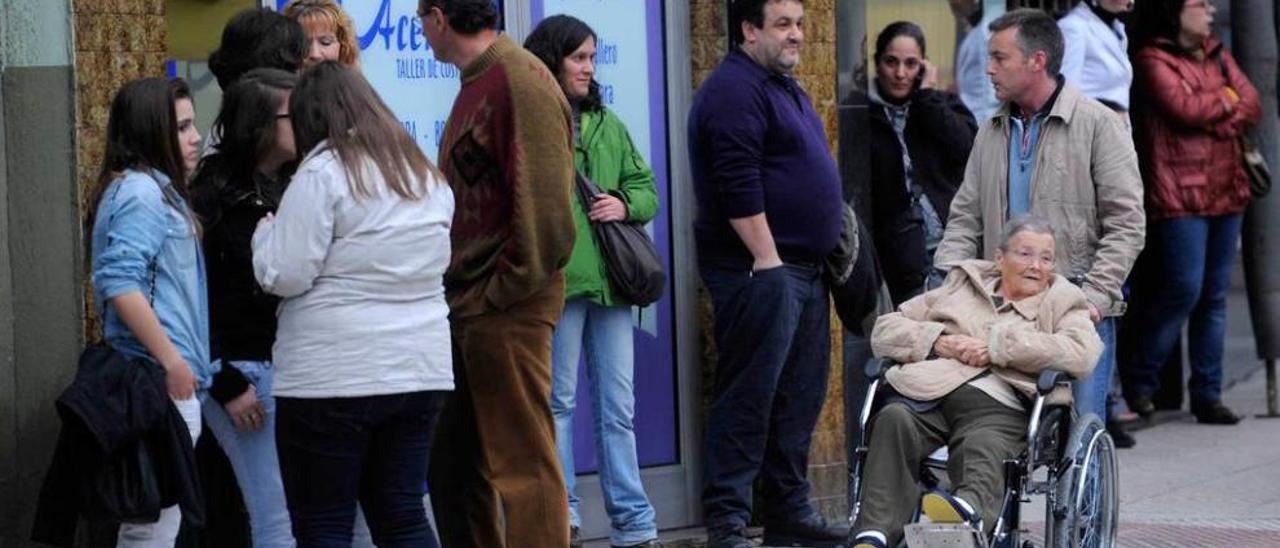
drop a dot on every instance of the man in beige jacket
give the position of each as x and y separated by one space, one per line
970 352
1055 153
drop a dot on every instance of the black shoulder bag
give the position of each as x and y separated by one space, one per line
630 258
853 272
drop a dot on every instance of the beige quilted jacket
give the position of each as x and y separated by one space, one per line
1050 330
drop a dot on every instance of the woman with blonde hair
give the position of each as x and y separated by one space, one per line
330 33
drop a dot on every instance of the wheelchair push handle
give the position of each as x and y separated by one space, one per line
1050 380
876 367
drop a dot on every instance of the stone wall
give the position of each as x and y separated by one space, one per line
817 74
115 41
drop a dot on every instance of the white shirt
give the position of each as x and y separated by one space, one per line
1096 57
972 82
363 312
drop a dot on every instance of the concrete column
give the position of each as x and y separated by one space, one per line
41 310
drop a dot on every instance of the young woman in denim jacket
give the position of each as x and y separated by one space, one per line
147 266
595 317
237 184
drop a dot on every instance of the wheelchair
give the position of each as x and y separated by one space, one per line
1069 459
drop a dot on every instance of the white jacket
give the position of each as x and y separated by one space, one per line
1096 59
972 82
362 279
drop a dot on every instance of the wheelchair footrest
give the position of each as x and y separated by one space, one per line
943 535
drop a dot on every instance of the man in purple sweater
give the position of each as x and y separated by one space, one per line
769 212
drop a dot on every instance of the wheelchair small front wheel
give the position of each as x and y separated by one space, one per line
1088 495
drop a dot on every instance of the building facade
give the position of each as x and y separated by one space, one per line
61 60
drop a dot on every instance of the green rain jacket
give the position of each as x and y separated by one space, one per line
605 154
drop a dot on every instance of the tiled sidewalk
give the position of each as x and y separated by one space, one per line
1187 484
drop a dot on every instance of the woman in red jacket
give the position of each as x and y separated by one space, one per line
1194 104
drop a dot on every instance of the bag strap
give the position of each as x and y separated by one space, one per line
582 187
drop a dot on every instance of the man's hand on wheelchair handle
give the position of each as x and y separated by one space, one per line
963 348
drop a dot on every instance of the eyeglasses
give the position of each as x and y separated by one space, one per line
1029 257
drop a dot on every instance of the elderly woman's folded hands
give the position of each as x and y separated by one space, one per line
968 350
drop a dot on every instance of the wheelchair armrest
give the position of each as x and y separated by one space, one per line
1050 380
876 367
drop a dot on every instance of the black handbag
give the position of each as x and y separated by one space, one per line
1256 167
853 272
630 259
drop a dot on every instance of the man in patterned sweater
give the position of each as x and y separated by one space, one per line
507 153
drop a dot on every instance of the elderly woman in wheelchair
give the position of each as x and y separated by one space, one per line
969 355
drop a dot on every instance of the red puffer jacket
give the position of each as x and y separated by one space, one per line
1186 124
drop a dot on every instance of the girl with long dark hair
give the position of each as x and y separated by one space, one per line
239 182
595 319
147 266
362 360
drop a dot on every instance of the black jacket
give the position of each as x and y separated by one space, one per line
939 134
242 317
114 411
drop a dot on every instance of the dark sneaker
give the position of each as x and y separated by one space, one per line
1122 438
732 538
1142 405
1213 413
869 539
575 540
813 531
651 543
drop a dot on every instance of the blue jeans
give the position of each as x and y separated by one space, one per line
772 333
1090 393
604 332
253 458
1193 256
334 451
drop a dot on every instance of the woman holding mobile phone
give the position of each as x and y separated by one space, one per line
920 141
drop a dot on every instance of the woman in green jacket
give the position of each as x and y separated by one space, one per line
595 318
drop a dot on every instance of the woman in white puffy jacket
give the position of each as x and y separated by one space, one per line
357 250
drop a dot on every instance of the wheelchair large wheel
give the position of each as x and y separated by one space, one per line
1087 506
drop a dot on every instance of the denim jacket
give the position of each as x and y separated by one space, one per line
144 240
